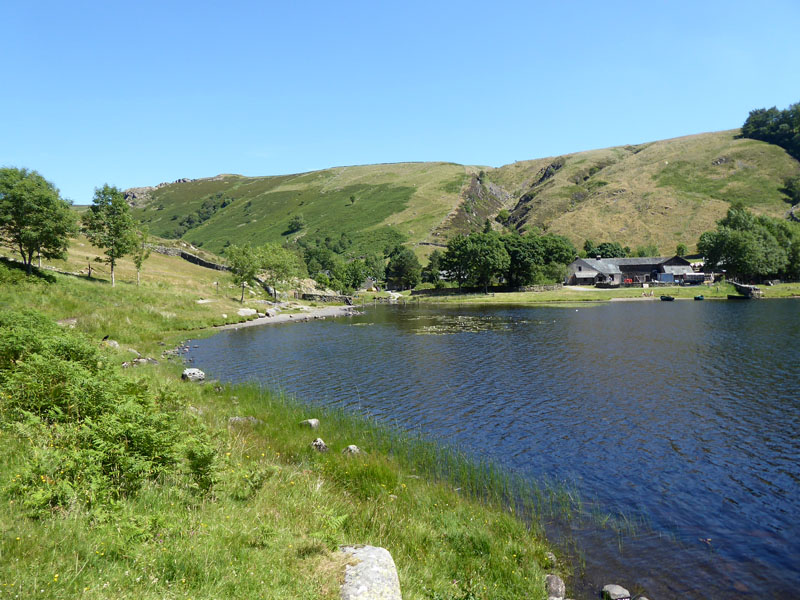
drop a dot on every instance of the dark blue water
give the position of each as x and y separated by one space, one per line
684 415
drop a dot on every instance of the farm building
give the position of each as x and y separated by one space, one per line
617 271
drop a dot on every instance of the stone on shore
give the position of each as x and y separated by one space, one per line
373 577
246 312
319 445
312 423
613 591
193 375
556 590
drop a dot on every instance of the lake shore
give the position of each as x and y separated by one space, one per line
306 315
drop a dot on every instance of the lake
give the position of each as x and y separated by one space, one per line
682 417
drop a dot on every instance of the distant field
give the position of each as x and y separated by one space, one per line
663 193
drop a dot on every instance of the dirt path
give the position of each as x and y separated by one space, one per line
308 315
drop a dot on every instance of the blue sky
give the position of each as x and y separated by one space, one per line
137 93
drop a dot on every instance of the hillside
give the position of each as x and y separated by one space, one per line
662 193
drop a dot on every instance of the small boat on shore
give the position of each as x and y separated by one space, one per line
667 298
699 297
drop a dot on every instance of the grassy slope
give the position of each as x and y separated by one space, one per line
407 198
278 508
665 192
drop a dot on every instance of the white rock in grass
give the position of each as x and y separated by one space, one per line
312 423
373 577
246 312
613 591
319 445
193 375
556 590
352 449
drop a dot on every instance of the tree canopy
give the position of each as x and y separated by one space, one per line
109 225
779 127
749 246
244 262
34 219
481 258
403 270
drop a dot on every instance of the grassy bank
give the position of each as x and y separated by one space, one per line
578 294
227 510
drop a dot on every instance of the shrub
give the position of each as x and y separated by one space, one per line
92 436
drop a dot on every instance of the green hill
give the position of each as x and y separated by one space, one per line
662 193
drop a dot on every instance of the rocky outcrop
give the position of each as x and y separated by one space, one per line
372 577
311 423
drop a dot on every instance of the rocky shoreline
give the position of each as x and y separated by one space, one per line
310 314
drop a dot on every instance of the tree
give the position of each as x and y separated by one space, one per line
748 246
141 251
296 223
34 219
245 264
526 255
109 225
791 187
403 270
430 272
276 264
610 250
779 127
681 250
456 259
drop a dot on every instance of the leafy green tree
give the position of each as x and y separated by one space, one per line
526 256
489 259
610 250
456 259
296 223
646 250
403 270
791 187
747 246
430 272
503 217
779 127
141 251
245 264
33 217
276 265
590 248
109 225
558 249
681 250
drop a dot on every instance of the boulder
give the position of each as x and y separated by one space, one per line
556 590
111 344
319 445
352 449
312 423
193 375
373 577
246 312
550 558
613 591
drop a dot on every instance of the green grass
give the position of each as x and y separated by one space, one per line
268 526
664 193
569 295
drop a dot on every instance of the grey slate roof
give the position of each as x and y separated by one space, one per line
603 265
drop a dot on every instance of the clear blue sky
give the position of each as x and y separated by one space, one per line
137 93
